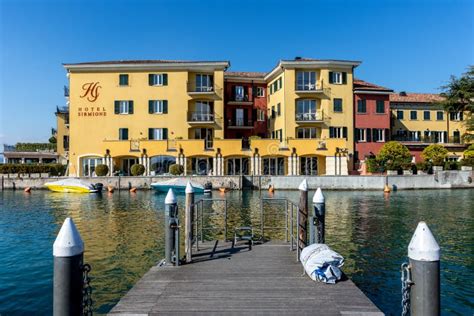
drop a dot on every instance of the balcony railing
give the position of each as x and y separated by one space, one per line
429 139
309 117
200 89
66 91
200 117
308 88
239 122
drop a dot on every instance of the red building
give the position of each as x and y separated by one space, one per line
245 104
371 119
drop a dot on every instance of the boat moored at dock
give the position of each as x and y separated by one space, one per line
73 185
178 185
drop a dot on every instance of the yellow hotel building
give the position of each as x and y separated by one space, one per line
157 113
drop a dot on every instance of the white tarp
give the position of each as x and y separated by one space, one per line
321 263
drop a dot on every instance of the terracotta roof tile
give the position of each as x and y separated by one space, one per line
415 97
244 74
364 85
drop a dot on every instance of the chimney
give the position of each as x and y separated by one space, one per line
403 94
298 58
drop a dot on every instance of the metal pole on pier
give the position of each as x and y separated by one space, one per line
318 220
424 257
303 213
188 228
171 226
68 252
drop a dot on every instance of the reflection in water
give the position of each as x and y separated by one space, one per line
123 234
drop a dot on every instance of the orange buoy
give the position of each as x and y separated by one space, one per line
27 189
133 190
386 189
223 190
271 188
110 189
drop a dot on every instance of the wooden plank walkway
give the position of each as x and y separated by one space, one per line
223 280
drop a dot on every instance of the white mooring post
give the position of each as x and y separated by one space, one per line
424 258
68 252
318 220
171 229
188 229
303 216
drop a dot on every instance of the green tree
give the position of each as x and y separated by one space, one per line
459 97
393 155
435 154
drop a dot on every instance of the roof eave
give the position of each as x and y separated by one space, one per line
220 65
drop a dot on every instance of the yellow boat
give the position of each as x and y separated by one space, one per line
71 186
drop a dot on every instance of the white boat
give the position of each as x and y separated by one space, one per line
71 185
178 185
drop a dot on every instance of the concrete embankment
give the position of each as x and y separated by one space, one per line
439 180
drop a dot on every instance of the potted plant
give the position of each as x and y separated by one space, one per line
137 170
101 170
407 168
436 154
422 168
467 164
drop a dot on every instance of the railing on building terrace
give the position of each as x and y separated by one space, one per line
429 139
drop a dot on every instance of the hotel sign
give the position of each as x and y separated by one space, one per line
91 92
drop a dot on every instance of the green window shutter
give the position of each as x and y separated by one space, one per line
331 77
331 132
387 135
344 78
165 79
150 79
368 135
117 107
374 134
344 132
124 133
150 133
165 106
130 107
165 133
150 106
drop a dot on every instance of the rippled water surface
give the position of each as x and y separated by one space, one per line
123 234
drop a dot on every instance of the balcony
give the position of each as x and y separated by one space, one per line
200 118
239 123
312 89
204 91
240 100
429 139
315 117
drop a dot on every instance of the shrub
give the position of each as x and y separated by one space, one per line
255 137
373 165
451 165
423 166
468 162
435 153
101 170
393 154
469 152
53 169
176 169
137 169
34 146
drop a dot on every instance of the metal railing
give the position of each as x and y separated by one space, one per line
429 139
309 117
200 117
198 209
240 122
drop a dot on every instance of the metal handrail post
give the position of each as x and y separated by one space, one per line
286 220
225 221
202 221
196 224
261 220
297 237
291 227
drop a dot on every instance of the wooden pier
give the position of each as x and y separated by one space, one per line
233 280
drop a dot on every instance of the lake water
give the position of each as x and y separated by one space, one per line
123 234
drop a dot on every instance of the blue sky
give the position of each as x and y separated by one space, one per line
405 45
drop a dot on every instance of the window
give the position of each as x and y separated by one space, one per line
123 80
413 115
440 115
260 115
306 132
337 77
123 107
158 106
204 83
260 92
360 135
361 106
305 80
237 166
399 114
337 105
279 109
378 135
280 83
89 164
426 115
337 132
455 116
157 133
158 79
309 166
306 110
238 93
123 133
273 112
380 107
271 89
273 166
203 112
